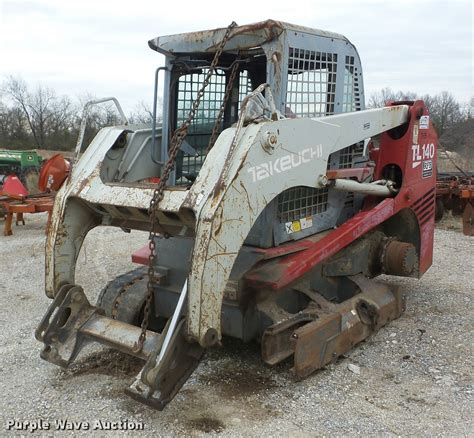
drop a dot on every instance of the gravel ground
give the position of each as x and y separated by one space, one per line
414 377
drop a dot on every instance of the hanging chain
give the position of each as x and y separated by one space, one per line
158 194
228 91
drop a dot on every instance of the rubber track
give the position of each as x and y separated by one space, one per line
114 288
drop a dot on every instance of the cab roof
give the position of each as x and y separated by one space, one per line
241 38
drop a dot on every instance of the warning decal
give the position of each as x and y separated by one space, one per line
424 122
299 225
427 169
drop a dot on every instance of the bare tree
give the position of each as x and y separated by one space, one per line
143 114
17 90
380 98
13 128
46 114
467 109
450 110
444 110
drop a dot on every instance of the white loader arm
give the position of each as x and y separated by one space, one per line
241 176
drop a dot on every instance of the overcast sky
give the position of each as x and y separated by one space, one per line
100 46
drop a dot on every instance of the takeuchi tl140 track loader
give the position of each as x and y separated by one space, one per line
269 207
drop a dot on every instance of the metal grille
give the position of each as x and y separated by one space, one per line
201 128
349 202
311 88
346 155
245 86
351 95
348 102
300 202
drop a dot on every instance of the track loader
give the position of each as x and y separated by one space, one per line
269 206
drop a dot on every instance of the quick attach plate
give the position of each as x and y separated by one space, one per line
59 329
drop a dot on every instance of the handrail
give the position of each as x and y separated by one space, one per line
82 128
153 126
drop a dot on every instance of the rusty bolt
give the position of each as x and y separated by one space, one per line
269 141
322 180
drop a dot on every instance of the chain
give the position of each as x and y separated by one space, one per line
123 290
158 194
228 90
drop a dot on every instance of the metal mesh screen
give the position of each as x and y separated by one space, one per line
311 88
351 95
200 130
245 86
300 202
346 155
349 202
348 101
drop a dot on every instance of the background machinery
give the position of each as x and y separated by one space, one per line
269 209
24 164
15 198
455 193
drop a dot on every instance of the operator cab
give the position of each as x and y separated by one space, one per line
311 73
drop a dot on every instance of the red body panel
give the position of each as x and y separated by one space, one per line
415 152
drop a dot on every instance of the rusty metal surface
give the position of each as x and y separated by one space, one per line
360 173
456 194
277 344
242 38
325 330
107 204
253 162
119 335
71 322
276 274
334 333
468 220
176 142
230 192
160 380
59 328
399 258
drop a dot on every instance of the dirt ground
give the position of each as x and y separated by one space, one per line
415 374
